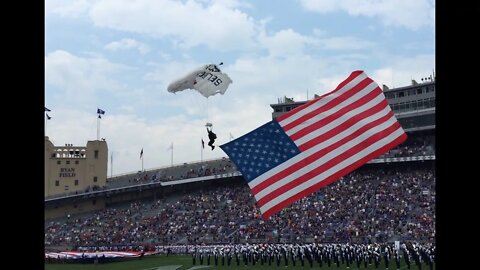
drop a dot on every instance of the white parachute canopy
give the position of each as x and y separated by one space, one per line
208 80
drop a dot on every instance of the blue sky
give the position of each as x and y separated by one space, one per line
120 56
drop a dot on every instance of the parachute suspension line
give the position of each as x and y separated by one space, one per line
207 122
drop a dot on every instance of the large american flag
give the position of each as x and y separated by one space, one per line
315 144
77 255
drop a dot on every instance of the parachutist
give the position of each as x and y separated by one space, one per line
211 136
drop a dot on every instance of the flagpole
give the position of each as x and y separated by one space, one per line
99 112
98 127
171 158
46 120
142 162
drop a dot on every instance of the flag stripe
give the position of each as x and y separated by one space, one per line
330 176
346 85
342 123
335 103
343 114
321 150
319 159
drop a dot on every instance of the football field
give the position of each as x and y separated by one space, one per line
155 262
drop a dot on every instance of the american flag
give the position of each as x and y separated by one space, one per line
315 144
77 255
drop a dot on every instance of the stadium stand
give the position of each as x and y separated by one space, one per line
368 205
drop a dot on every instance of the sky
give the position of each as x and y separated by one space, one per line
120 56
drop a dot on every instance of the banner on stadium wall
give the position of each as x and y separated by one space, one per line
402 159
78 255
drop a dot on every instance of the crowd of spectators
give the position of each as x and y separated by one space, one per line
414 146
178 172
372 205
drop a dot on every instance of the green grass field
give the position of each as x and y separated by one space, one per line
185 262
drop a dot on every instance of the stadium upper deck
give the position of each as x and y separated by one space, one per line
413 105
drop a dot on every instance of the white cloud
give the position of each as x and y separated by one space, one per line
192 23
345 43
127 43
71 9
80 78
412 14
284 43
404 69
321 6
230 3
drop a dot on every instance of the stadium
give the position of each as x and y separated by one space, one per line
202 214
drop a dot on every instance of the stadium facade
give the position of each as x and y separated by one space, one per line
73 169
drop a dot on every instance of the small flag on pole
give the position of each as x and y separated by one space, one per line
203 144
47 109
100 111
316 143
141 153
48 117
